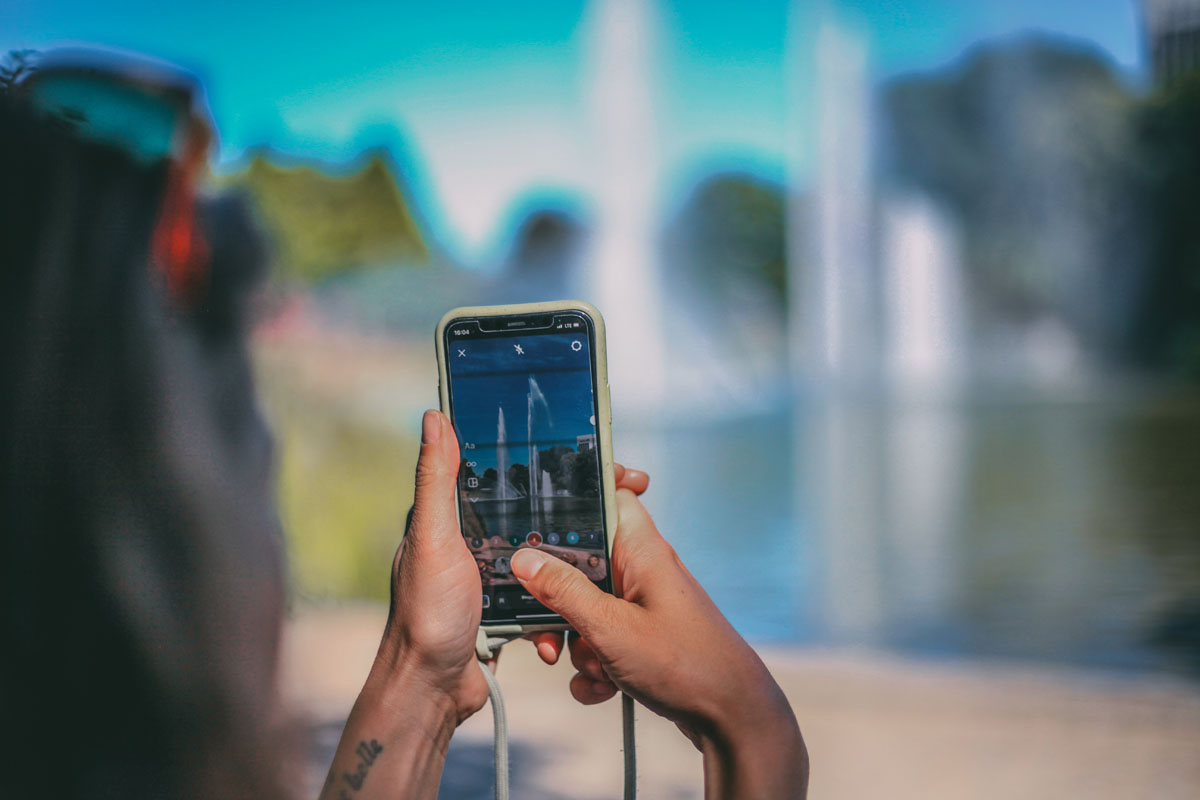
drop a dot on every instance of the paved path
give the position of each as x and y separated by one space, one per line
876 726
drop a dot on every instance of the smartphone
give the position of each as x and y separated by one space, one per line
526 387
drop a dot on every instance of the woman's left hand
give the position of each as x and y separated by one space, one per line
424 681
436 593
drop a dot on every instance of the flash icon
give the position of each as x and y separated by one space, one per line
520 352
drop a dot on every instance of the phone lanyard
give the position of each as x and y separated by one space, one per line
488 649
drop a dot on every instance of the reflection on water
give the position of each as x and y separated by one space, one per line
1024 528
558 514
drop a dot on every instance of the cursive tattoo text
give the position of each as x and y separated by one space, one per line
367 753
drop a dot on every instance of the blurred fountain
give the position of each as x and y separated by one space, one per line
622 277
924 354
877 354
923 298
533 465
839 434
502 457
534 397
834 335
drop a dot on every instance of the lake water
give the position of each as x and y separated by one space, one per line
506 517
1025 527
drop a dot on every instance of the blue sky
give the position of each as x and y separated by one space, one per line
487 103
490 373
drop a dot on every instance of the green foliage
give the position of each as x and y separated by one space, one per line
518 478
323 224
345 486
1029 145
732 230
724 259
1167 331
581 474
15 66
572 471
1077 197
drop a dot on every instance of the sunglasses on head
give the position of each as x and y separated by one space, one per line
154 113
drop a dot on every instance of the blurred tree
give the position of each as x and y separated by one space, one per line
518 478
583 477
731 231
488 481
556 461
1030 144
1166 333
323 224
543 262
14 66
724 267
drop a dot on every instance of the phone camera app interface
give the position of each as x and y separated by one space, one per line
524 410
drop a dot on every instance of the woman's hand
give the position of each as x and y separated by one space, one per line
424 681
549 645
665 643
436 594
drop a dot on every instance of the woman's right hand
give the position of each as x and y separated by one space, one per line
663 642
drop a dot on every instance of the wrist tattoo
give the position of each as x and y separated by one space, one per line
367 753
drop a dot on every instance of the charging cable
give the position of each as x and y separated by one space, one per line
487 648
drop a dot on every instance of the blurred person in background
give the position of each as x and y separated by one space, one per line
143 569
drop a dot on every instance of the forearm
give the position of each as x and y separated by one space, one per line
394 743
759 755
763 770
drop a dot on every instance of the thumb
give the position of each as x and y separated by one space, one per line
433 515
567 591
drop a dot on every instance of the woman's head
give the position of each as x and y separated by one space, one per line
140 570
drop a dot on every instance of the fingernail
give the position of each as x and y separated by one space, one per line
431 428
526 562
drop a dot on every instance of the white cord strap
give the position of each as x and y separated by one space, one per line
499 731
487 648
628 747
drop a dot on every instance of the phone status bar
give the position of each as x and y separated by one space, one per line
517 326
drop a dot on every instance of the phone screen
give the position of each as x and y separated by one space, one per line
523 402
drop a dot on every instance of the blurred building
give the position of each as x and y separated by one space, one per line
1173 32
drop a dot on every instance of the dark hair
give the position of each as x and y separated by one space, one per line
140 559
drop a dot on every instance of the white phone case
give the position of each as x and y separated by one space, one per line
603 420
